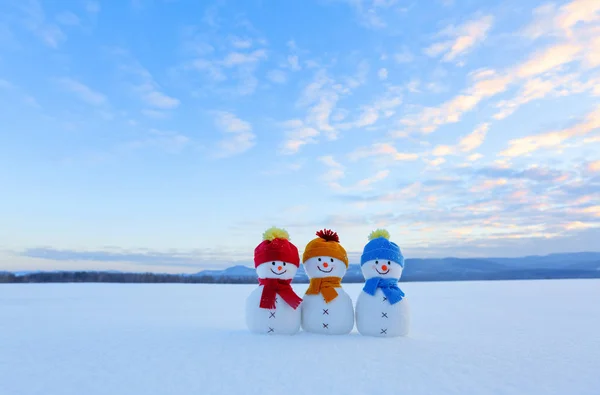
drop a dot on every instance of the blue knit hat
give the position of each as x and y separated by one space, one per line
380 247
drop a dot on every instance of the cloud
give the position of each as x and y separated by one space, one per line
213 70
225 62
92 7
570 25
293 62
532 173
405 56
337 172
384 106
484 84
277 76
538 88
379 176
156 98
488 185
318 115
594 166
239 135
19 93
474 140
239 58
554 139
146 87
297 134
68 18
360 77
404 194
4 84
82 91
490 204
461 39
334 173
241 43
319 98
188 258
369 12
413 86
549 59
382 74
575 24
34 20
168 141
382 151
155 114
548 20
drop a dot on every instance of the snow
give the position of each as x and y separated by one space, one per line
505 337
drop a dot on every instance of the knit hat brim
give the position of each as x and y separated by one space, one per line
321 247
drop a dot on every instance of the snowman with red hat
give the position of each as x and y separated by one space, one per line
273 307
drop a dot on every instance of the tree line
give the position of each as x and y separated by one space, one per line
109 277
112 277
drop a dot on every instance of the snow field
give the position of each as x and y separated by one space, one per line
505 337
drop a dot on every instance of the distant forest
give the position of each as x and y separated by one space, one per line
109 277
553 266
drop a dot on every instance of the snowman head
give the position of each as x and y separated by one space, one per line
324 266
277 269
275 257
324 256
381 257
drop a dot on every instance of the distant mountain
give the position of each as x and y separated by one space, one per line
448 269
552 261
594 266
566 265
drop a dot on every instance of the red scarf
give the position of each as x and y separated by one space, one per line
274 286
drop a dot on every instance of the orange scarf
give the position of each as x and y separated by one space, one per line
326 286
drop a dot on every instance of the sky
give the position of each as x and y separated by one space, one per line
167 135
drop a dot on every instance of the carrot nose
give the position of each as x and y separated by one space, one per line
325 264
384 267
279 268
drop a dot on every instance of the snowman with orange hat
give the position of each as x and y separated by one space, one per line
382 308
273 307
326 307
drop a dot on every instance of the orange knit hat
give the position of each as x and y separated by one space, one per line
327 244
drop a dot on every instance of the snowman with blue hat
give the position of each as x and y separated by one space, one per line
381 308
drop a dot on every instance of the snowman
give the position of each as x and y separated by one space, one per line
326 307
381 308
272 308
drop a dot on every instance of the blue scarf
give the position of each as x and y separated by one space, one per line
389 286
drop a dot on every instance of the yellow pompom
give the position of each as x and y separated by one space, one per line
275 233
379 233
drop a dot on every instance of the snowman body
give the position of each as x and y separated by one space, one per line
333 317
381 308
376 316
281 319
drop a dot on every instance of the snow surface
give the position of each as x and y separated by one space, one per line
505 337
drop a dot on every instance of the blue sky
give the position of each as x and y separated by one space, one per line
167 135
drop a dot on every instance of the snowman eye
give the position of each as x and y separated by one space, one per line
389 263
273 263
331 259
377 262
283 263
319 259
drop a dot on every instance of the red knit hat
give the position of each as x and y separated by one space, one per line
276 246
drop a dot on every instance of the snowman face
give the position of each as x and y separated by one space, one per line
324 266
276 269
381 268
